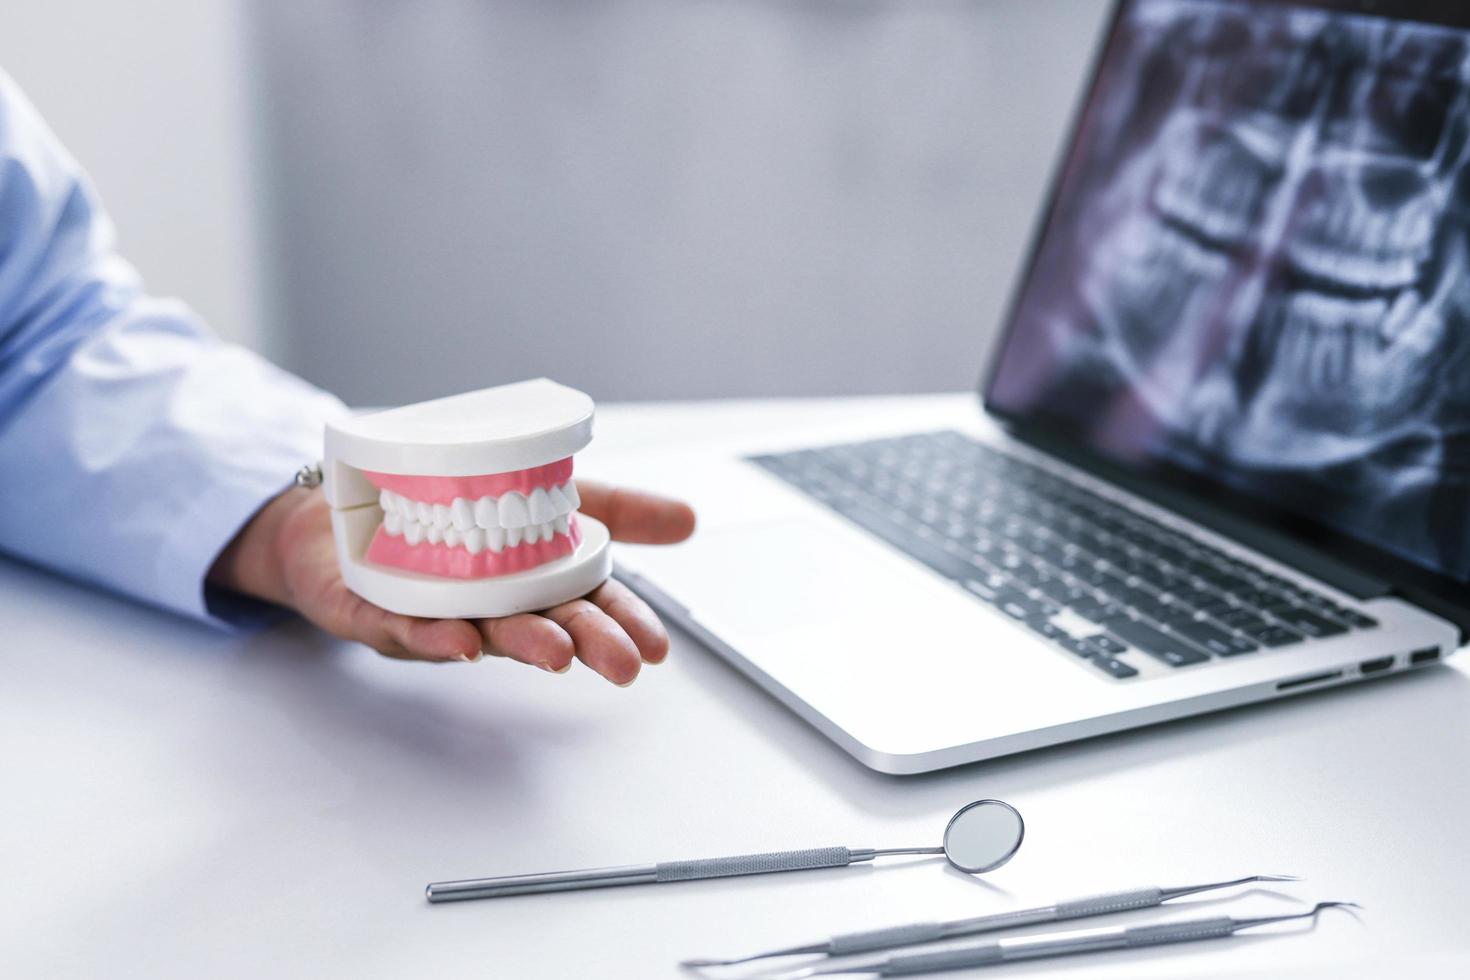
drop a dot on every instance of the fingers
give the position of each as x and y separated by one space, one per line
532 640
636 619
406 637
433 639
601 643
612 631
635 516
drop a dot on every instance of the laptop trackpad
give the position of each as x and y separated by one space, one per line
771 577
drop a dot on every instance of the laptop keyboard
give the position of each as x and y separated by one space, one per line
1097 579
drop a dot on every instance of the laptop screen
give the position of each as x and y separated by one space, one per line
1256 268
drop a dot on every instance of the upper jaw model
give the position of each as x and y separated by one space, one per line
464 507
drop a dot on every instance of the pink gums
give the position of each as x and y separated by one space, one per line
443 489
457 562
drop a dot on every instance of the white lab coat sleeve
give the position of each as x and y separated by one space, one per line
133 443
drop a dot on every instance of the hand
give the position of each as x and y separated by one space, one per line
285 555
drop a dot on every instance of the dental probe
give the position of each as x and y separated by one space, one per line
1053 944
928 932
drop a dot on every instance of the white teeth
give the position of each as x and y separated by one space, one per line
539 506
489 522
513 511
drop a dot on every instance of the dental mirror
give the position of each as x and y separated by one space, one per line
981 837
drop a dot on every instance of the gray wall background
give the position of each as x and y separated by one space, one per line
655 198
156 98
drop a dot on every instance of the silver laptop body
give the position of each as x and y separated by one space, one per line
1220 443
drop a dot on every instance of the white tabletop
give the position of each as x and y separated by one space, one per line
174 802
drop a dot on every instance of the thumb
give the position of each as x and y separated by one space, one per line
635 516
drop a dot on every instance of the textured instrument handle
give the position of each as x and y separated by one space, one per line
754 864
1179 932
862 942
1134 898
941 959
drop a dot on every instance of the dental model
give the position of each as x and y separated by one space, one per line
464 507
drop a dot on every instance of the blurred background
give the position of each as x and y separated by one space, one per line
642 198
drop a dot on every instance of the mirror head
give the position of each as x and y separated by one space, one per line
983 836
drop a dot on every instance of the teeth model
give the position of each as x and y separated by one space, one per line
464 507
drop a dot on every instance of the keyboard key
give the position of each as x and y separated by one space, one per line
1170 649
1150 608
1218 608
1217 641
1107 644
1046 628
981 588
1243 619
1258 597
1029 574
1226 582
1275 636
1016 604
1074 645
1059 591
1113 666
1307 622
1096 610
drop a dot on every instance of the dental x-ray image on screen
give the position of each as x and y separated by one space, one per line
1255 267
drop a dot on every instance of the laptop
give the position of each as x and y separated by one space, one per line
1221 452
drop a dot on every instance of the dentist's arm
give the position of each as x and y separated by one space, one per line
140 453
134 444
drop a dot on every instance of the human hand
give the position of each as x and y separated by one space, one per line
286 555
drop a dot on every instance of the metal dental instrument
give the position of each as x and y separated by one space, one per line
1053 944
927 932
981 837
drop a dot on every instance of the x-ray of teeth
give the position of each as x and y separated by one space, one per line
1257 267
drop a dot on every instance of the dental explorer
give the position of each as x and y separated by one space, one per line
1052 944
927 932
980 837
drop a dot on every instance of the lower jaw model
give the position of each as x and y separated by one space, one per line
464 507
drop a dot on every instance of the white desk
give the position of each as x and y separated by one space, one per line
179 803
